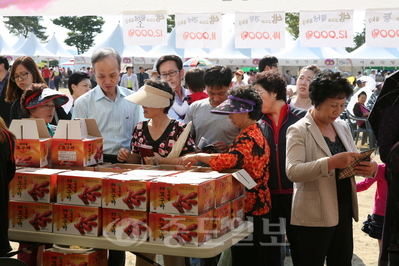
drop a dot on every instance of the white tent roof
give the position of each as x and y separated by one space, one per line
33 48
296 55
19 43
56 7
5 49
56 48
115 40
229 55
372 56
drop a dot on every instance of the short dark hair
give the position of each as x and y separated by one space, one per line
75 78
272 82
170 57
4 60
162 85
218 76
267 60
127 68
329 84
248 93
195 79
362 93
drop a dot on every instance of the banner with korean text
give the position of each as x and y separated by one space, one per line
326 29
144 28
260 30
382 28
198 30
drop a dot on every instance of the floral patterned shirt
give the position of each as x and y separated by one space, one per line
250 151
163 145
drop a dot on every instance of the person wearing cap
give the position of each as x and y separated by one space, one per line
161 133
250 151
239 75
24 72
152 73
359 84
129 80
38 101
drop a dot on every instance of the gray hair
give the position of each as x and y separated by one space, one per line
103 53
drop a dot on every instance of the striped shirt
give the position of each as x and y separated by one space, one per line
115 119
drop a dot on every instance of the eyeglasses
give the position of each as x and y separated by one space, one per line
260 92
170 74
21 76
47 106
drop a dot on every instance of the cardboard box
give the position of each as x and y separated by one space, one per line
180 230
174 195
126 192
152 172
77 143
56 257
77 220
30 216
33 144
221 222
125 224
237 212
223 183
120 167
34 185
80 188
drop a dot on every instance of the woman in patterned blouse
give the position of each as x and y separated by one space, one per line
160 131
249 151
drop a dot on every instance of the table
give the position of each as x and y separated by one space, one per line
209 249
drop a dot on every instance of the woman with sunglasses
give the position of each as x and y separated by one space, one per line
23 73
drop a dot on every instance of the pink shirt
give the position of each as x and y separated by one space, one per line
380 199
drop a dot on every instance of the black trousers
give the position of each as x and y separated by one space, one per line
334 244
252 250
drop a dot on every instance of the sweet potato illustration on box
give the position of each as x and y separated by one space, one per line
89 193
39 190
40 219
134 198
86 223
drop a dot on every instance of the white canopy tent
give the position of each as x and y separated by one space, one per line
366 56
296 55
6 50
34 49
115 40
56 48
19 43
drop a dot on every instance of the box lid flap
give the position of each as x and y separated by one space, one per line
29 128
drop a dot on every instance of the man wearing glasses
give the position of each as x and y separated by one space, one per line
170 68
268 63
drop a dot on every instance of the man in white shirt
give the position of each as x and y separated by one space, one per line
129 80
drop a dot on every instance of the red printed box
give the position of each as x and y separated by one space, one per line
56 257
77 220
180 230
237 212
174 195
126 192
82 188
125 224
77 143
30 216
221 222
33 145
223 183
34 184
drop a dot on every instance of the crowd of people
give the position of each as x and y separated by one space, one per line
293 147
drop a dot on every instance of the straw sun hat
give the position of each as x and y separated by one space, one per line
151 97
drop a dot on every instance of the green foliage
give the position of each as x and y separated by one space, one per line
359 39
82 30
292 22
170 21
25 25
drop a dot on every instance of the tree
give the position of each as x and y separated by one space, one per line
82 30
359 39
292 22
170 21
25 25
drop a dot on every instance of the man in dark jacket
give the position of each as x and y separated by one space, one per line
5 107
